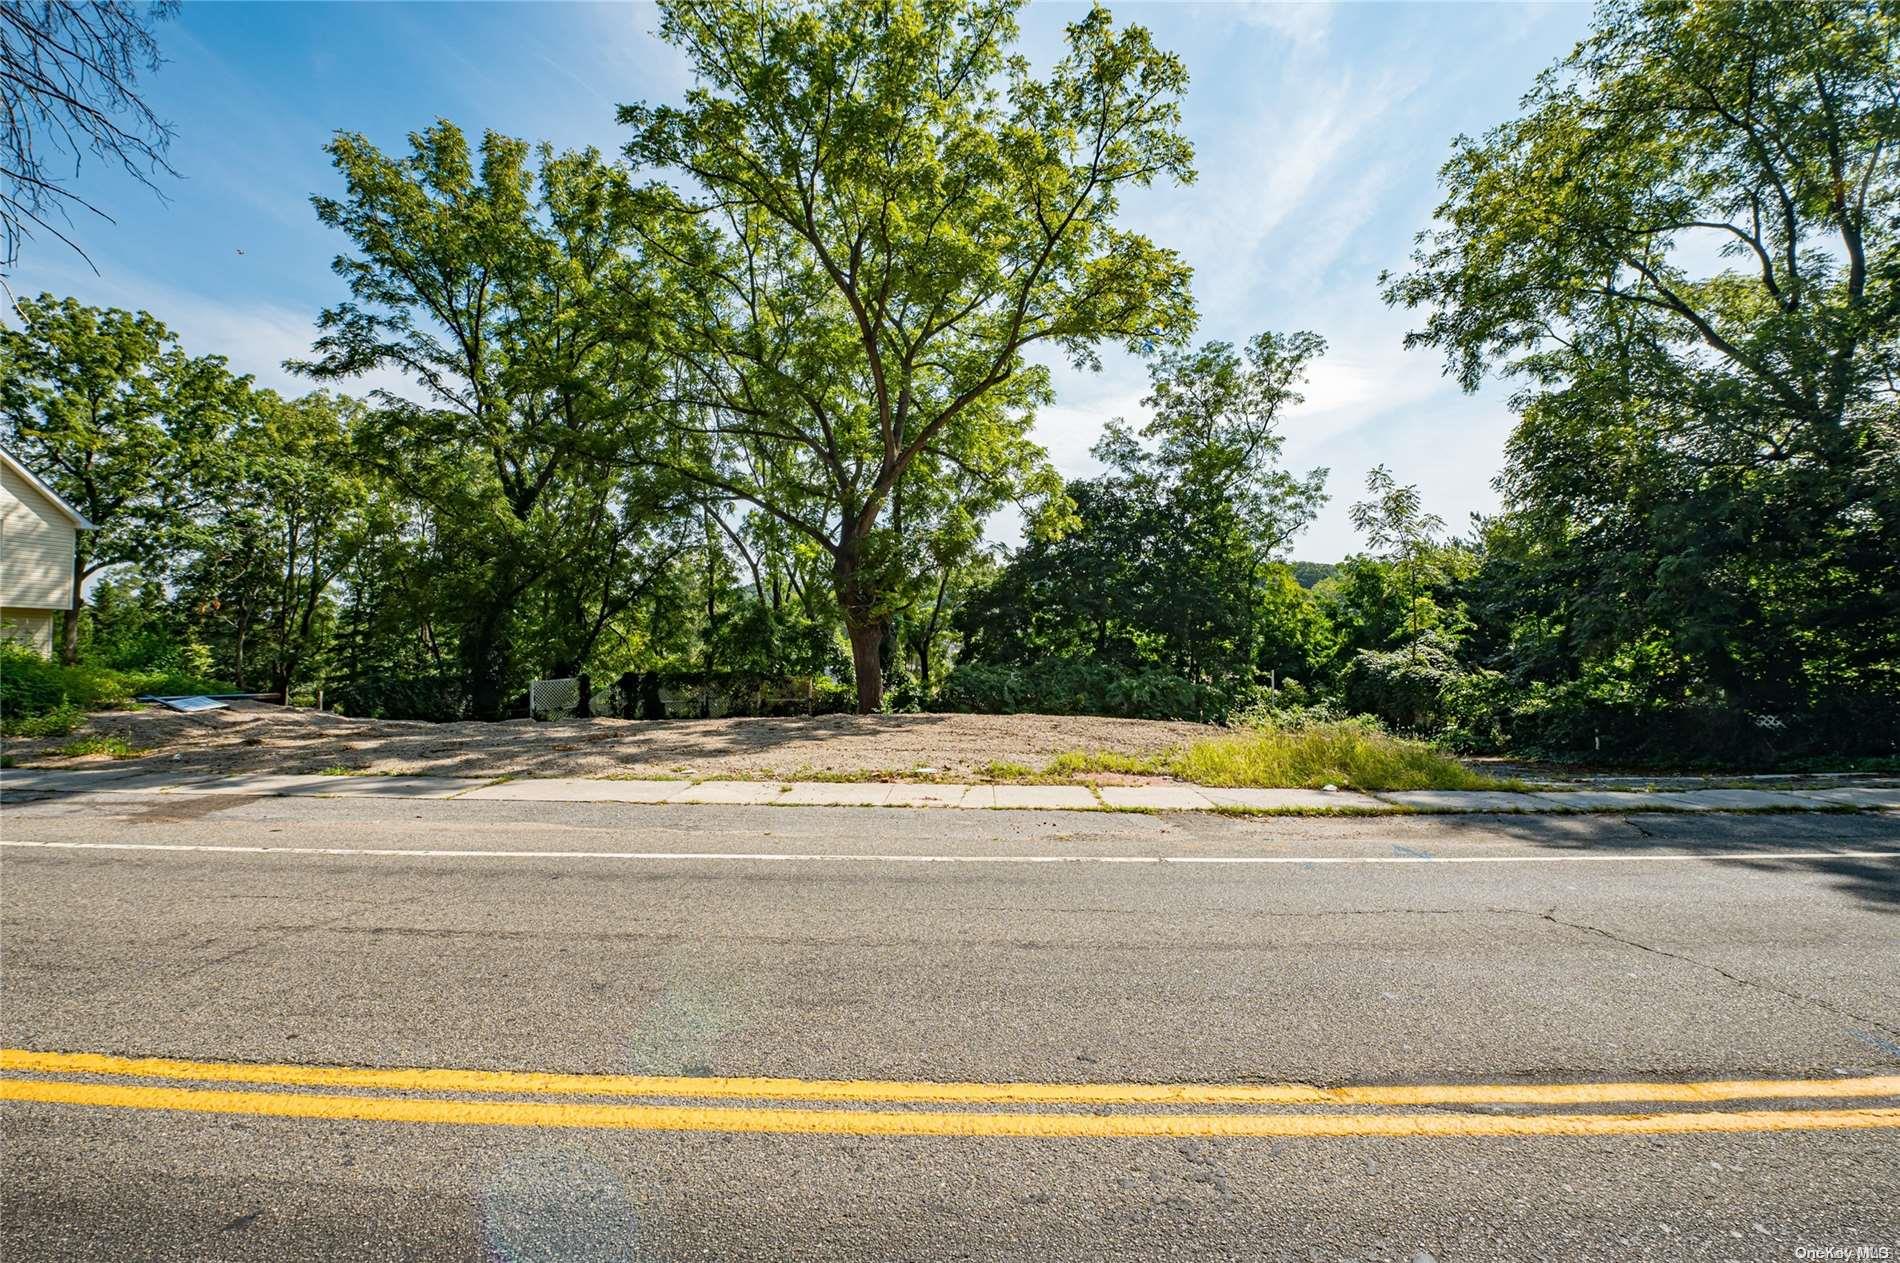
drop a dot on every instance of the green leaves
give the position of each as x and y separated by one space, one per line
1167 562
509 285
1760 135
1686 249
107 407
884 213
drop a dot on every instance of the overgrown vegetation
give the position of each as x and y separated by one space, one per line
111 747
1683 253
1309 754
1347 754
1302 754
41 699
745 427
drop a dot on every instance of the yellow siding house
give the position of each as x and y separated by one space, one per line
38 531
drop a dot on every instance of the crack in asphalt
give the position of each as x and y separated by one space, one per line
268 936
1751 983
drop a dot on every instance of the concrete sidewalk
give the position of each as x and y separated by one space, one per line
15 782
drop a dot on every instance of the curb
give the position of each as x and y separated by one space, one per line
1145 799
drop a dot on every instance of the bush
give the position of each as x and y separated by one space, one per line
33 688
982 690
436 697
1488 713
1406 687
1616 712
1078 687
57 722
833 697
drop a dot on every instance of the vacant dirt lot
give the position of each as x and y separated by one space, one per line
265 738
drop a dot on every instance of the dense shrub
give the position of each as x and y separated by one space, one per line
1405 688
1079 687
1597 718
434 696
56 722
31 687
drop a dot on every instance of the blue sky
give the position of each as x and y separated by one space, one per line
1318 129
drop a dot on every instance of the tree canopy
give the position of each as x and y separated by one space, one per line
508 285
107 407
1686 250
885 211
1169 566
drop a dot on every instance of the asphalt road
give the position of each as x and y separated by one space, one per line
880 947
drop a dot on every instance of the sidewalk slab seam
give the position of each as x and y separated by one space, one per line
732 793
1157 797
1041 797
836 794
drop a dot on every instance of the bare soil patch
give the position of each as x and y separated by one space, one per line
256 738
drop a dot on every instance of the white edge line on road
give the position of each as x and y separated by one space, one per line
845 857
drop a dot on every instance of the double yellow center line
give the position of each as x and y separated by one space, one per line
443 1096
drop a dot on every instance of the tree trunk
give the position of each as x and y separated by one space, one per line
865 629
487 665
890 653
866 639
242 630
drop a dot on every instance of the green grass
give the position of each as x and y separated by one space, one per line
116 747
1085 762
57 722
1348 755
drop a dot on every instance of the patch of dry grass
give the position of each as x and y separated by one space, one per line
1346 754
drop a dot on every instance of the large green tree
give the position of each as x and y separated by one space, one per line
1687 247
1401 532
281 522
1171 563
509 287
886 212
108 409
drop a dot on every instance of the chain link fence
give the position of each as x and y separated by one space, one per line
554 699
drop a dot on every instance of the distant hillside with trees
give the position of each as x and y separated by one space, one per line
1309 573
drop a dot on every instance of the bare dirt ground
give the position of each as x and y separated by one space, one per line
258 738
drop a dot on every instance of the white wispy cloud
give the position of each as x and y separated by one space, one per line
1306 23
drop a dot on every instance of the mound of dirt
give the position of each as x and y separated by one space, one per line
259 738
